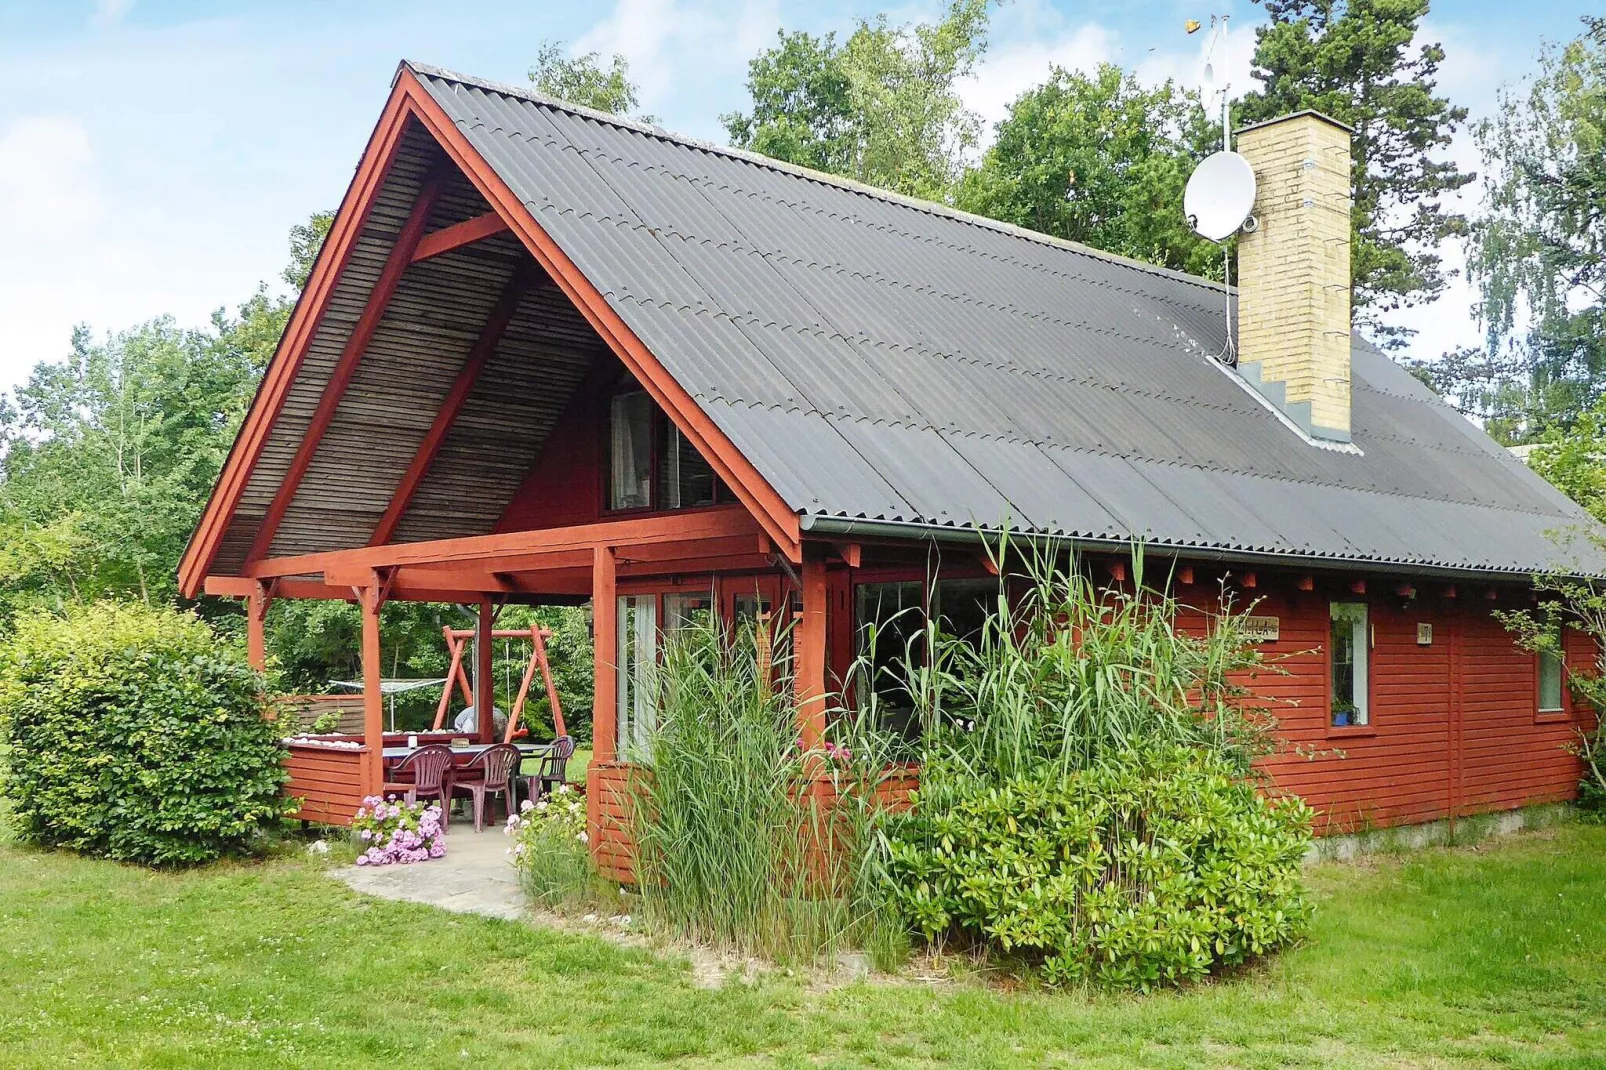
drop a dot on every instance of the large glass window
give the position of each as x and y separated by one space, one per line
1552 667
1348 648
962 607
630 451
637 662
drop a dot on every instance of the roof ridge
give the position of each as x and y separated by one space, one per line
935 208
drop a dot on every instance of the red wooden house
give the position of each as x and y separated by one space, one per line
547 354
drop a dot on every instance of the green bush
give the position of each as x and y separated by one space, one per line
1151 867
135 735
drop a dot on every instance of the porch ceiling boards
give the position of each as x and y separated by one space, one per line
427 331
881 359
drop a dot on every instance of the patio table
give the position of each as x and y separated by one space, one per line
463 754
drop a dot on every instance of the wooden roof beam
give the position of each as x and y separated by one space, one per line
640 531
525 276
401 254
469 231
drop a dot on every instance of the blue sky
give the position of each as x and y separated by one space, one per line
154 153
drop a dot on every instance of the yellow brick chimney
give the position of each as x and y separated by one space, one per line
1294 273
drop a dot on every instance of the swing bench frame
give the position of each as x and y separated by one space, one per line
458 641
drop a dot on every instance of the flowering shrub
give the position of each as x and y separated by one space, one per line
549 847
398 831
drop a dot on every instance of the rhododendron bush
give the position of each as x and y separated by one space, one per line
398 831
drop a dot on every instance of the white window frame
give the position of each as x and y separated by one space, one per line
1559 660
636 657
1359 616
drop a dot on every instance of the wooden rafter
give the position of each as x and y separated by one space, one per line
526 275
458 235
401 253
411 102
305 319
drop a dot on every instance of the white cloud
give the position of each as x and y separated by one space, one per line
47 180
657 37
1009 70
108 12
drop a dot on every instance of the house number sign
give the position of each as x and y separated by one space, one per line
1262 629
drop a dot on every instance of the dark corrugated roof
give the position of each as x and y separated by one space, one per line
884 359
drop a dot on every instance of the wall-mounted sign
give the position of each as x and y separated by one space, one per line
1424 635
1262 629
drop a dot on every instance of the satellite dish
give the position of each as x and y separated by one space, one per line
1220 194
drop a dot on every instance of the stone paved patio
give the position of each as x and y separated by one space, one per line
475 876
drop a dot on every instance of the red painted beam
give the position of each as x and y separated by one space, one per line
458 235
401 254
526 275
670 527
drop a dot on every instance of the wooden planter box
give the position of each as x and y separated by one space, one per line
326 779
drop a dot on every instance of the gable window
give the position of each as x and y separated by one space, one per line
651 465
1552 667
684 479
1348 650
630 451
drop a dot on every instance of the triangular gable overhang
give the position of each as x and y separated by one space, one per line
410 101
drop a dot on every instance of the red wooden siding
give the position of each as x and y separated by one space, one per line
1454 724
608 819
564 486
327 780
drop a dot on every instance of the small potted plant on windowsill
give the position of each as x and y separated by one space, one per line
1343 715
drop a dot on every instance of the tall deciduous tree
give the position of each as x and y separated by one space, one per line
1360 62
585 81
1538 249
1101 159
882 107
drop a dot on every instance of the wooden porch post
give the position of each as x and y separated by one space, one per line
484 677
256 616
373 703
605 638
809 658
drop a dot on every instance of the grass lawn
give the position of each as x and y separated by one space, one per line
1465 957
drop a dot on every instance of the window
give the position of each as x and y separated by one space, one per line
651 465
681 610
684 479
637 662
1552 665
891 624
962 607
1348 648
630 451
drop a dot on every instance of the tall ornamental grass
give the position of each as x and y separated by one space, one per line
1065 672
744 841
